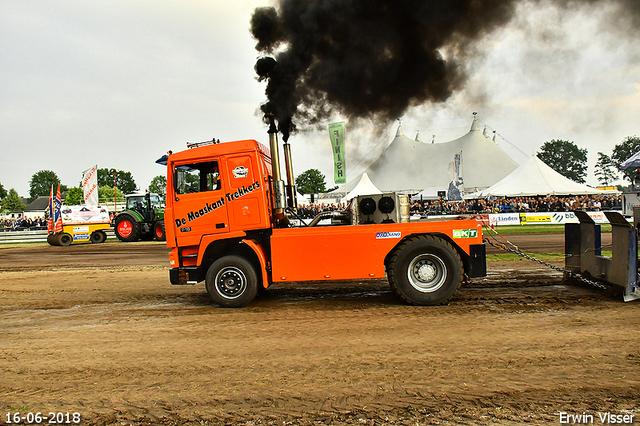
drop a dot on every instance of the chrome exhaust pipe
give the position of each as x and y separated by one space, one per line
291 184
279 202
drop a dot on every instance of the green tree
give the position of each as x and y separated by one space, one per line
622 152
3 192
565 158
105 195
311 182
123 180
74 197
605 169
158 185
41 183
13 202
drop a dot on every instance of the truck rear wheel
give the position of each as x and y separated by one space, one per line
425 270
232 282
126 228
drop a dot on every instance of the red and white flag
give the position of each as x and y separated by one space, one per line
51 209
90 186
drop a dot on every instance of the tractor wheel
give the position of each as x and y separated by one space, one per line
126 228
51 239
158 231
425 270
98 237
65 239
232 282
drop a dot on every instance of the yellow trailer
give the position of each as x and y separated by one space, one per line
79 232
81 224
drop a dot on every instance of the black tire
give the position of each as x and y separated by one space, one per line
425 270
232 282
98 237
51 239
158 231
65 239
126 228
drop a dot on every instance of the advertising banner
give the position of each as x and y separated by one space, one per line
85 214
90 186
336 134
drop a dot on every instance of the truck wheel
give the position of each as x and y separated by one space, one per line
126 228
425 270
98 237
65 239
158 231
232 282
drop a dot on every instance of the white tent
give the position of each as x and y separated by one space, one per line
412 165
536 178
364 187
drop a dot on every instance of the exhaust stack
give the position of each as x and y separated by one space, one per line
279 201
291 184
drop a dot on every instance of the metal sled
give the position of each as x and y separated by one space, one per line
582 243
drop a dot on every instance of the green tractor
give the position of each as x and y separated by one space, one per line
143 218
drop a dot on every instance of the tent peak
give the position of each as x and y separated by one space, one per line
399 132
418 136
474 123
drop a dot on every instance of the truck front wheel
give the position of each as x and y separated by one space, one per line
425 270
232 282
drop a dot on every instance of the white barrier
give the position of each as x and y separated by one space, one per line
542 218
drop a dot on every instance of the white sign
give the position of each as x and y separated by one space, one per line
90 186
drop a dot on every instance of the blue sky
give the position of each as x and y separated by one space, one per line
118 83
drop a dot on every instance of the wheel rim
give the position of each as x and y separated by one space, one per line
427 273
231 282
159 232
125 228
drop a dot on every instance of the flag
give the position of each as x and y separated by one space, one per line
50 221
57 215
336 134
90 186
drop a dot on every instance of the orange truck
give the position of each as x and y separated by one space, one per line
231 222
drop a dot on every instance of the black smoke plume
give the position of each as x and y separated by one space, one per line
366 58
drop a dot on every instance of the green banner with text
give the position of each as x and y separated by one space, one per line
336 134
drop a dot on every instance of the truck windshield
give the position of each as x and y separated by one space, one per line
198 177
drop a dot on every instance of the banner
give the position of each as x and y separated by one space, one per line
336 134
51 208
57 214
90 186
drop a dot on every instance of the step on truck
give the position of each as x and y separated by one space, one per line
231 222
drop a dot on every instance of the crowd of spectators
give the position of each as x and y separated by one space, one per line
491 205
518 205
310 211
23 223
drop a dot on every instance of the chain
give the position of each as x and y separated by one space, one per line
520 253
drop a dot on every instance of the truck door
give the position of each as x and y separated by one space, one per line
199 206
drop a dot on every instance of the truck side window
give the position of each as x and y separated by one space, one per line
197 177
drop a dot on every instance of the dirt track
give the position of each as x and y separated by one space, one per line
98 330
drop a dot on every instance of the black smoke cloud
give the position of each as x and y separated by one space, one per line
374 58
